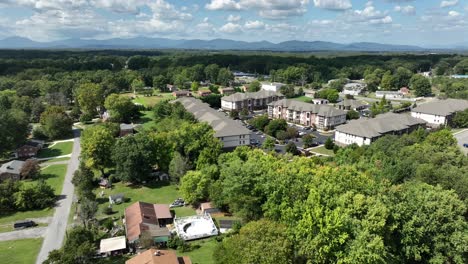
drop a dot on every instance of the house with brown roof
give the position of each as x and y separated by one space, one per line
226 90
181 93
146 217
155 256
204 92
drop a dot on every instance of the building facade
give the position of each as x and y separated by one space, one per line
250 101
439 112
389 94
272 86
366 131
306 114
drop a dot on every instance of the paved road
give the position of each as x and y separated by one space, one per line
56 230
462 138
23 234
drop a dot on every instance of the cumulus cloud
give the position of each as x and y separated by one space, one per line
223 5
271 9
453 13
254 25
232 18
369 15
448 3
407 10
230 28
333 4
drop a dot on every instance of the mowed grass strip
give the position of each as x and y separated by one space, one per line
22 251
59 149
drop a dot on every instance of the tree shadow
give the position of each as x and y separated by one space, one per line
150 185
45 153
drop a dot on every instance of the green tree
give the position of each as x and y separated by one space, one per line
194 186
461 119
87 210
308 140
195 86
137 85
134 158
90 97
30 169
403 76
260 242
352 114
83 180
276 125
160 82
55 122
121 108
178 166
329 143
97 143
372 81
254 86
14 129
291 148
420 85
211 72
79 248
288 90
260 122
269 144
388 82
225 76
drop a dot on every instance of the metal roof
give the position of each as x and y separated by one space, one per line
112 244
221 124
262 94
319 109
442 107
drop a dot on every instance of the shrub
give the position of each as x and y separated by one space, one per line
107 210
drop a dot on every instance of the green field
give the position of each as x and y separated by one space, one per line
303 99
202 255
59 149
149 101
7 220
153 193
146 120
56 160
22 251
54 175
323 150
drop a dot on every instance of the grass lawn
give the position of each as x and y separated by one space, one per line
152 193
303 99
149 101
7 220
202 255
56 159
146 120
22 251
9 227
323 150
54 175
59 149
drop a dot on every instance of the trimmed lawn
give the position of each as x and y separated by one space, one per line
7 220
146 120
149 101
22 251
323 150
160 192
56 159
54 175
303 99
59 149
202 255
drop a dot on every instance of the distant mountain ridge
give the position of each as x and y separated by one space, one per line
198 44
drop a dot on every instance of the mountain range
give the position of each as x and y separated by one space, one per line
198 44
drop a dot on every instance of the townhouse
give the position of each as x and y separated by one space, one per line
250 101
439 112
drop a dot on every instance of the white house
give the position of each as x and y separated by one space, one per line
320 101
439 112
389 94
272 86
354 88
306 114
230 132
251 101
366 131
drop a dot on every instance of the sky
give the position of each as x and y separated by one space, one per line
416 22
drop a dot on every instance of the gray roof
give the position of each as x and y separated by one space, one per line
381 124
352 103
319 109
254 95
126 126
442 107
13 167
221 124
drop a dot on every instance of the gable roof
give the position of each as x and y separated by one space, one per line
253 95
221 124
13 167
380 125
320 110
442 107
140 216
165 257
351 103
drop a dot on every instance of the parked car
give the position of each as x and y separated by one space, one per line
24 224
177 203
465 145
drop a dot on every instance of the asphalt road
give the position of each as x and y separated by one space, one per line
55 233
462 138
23 234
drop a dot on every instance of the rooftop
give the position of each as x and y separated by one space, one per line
221 124
254 95
442 107
13 167
155 256
124 126
381 124
140 216
352 103
321 110
112 244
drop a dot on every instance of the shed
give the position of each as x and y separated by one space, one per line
208 208
116 198
113 244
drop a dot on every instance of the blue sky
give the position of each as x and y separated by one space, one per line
418 22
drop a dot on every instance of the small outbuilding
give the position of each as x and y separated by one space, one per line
208 208
181 93
113 245
116 198
126 129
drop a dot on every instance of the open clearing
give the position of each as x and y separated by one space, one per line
22 251
59 149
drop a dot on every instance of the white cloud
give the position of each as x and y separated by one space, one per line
407 10
223 5
333 4
448 3
254 25
453 13
230 28
232 18
368 15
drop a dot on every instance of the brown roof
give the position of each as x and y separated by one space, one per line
165 257
140 214
205 206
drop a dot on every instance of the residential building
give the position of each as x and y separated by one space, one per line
171 88
351 104
181 93
156 256
29 149
203 92
145 217
230 132
251 101
126 129
226 90
208 208
439 112
272 86
354 88
366 131
405 91
309 93
389 94
11 170
306 114
320 101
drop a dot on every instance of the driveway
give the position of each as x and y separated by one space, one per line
462 138
55 232
23 234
